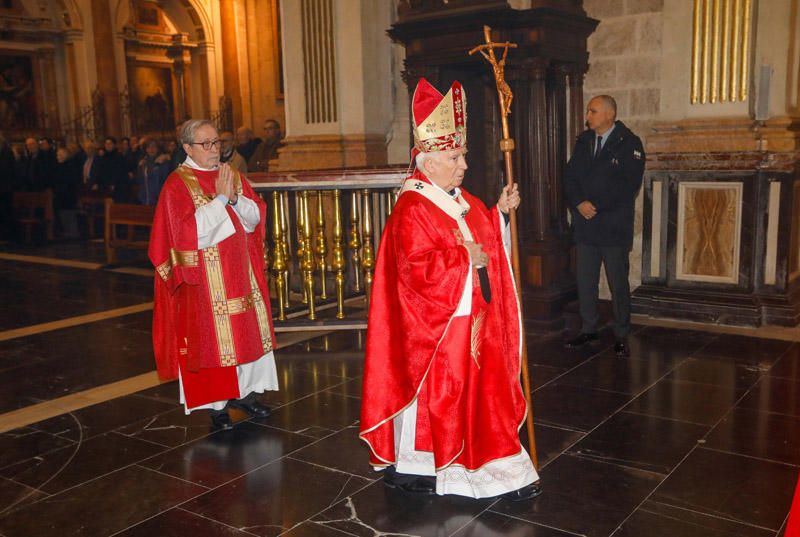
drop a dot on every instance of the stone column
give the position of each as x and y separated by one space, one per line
230 58
102 26
337 55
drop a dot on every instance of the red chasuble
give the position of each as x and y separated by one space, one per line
470 404
212 307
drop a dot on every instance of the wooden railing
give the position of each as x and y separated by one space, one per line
323 229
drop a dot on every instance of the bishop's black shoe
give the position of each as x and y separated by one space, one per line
581 340
251 406
528 492
221 420
413 484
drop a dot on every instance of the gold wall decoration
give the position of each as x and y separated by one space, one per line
709 231
721 50
319 65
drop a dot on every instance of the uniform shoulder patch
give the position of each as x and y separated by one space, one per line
637 154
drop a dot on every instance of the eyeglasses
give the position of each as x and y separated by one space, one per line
208 144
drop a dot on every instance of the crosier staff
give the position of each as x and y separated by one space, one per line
505 97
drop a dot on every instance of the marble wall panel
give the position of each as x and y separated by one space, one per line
709 231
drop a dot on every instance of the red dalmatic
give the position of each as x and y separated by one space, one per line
463 371
211 306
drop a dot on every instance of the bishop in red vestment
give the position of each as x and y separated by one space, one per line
212 326
442 402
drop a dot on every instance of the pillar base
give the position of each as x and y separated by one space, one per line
324 151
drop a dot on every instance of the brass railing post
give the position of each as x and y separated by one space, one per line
284 202
278 259
308 257
321 246
338 263
368 257
355 241
301 244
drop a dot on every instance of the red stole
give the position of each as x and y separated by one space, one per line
212 305
468 413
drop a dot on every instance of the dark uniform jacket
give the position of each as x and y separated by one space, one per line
610 181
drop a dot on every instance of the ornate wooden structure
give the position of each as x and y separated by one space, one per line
546 76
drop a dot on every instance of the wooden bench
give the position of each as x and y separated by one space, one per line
132 216
34 209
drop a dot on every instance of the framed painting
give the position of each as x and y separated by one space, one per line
151 98
18 103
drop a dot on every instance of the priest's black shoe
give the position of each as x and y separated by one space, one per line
581 340
528 492
251 406
621 348
412 484
221 421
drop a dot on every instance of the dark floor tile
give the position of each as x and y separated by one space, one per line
226 455
69 466
179 523
26 442
758 434
574 407
685 401
552 351
378 510
657 520
275 497
788 366
340 365
609 372
491 524
343 451
719 372
103 417
644 442
731 486
325 410
14 496
166 392
550 441
542 374
773 394
350 388
671 350
752 350
584 497
313 529
174 428
695 338
296 382
100 507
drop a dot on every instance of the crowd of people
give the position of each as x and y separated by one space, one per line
129 169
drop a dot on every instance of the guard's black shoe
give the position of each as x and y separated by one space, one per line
581 340
412 484
221 421
621 348
252 407
527 492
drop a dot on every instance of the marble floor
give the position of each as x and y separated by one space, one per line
696 434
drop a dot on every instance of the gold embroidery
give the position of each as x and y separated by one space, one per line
261 314
476 336
216 281
177 258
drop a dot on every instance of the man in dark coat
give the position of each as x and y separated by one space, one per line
600 184
112 173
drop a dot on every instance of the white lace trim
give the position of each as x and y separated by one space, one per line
492 479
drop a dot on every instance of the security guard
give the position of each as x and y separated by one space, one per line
600 184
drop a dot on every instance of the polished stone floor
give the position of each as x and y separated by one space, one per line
696 434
